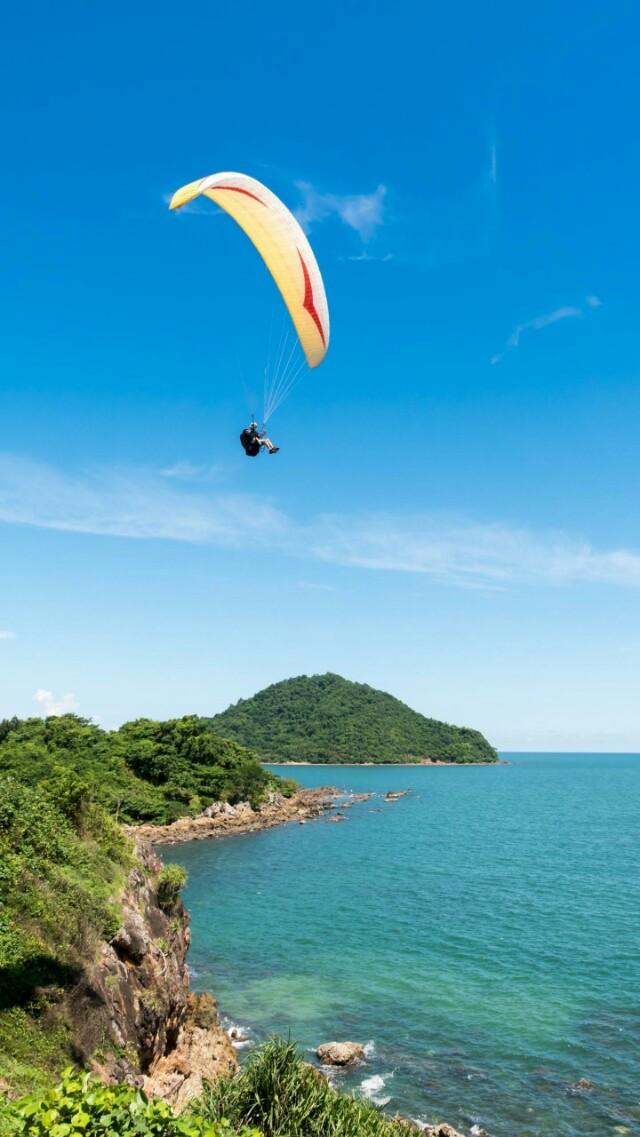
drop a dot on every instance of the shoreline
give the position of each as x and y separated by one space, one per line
387 765
224 820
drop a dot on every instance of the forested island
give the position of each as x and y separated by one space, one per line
325 718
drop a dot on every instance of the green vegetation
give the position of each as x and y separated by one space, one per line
145 771
64 785
81 1105
283 1096
276 1094
61 865
324 718
172 879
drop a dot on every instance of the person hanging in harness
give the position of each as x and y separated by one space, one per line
252 439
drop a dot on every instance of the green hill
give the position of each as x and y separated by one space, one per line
324 718
145 771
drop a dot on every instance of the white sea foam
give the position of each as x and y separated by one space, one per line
369 1049
370 1088
240 1036
372 1085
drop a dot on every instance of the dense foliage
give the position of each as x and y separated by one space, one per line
62 862
276 1094
81 1105
283 1096
324 718
64 785
145 771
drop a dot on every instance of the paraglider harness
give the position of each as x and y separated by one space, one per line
250 441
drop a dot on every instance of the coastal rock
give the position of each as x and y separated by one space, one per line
132 1017
441 1131
337 817
131 940
340 1053
394 795
221 819
202 1053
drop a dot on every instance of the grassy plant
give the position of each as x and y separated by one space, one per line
282 1096
172 879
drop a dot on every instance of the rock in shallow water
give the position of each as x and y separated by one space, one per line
340 1053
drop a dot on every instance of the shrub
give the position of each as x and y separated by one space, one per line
80 1104
283 1096
170 882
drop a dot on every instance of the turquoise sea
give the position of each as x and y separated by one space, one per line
482 934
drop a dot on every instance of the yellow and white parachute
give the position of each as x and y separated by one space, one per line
285 250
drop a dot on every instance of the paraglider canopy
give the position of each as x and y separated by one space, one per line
282 245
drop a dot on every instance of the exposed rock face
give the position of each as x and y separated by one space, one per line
133 1017
340 1053
202 1053
221 819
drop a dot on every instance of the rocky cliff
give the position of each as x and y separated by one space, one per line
134 1019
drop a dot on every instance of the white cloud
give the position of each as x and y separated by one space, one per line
127 503
139 505
365 256
492 172
568 312
472 554
363 212
50 707
315 586
190 472
7 635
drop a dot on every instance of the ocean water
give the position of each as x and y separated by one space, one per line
481 935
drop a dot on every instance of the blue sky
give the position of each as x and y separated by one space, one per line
453 515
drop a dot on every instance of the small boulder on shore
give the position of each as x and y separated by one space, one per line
440 1131
340 1053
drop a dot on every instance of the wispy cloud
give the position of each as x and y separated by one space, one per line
50 707
127 503
366 256
140 505
464 552
7 635
363 212
492 171
191 472
569 312
316 586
